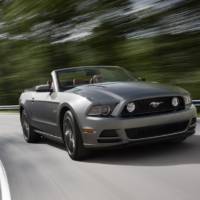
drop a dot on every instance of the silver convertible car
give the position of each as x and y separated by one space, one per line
104 106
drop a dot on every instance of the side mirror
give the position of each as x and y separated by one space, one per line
141 79
43 88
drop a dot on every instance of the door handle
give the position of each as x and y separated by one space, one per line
33 99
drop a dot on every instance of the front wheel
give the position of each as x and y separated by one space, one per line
29 135
72 138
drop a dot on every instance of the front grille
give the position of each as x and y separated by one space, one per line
144 107
159 130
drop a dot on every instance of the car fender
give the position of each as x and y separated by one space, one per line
78 111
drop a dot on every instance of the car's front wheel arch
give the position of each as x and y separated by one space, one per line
61 117
79 152
63 109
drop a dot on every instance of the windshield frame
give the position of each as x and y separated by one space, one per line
61 88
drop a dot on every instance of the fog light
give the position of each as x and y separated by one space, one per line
130 107
175 101
88 130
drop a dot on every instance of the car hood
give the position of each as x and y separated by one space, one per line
112 91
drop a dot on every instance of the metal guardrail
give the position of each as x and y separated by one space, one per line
16 107
196 103
10 107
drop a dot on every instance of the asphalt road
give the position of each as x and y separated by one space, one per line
45 172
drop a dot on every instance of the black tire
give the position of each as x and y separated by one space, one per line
29 135
72 138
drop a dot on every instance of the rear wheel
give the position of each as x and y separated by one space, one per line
72 137
29 135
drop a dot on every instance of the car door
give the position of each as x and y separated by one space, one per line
44 112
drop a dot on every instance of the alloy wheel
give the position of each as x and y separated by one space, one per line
69 136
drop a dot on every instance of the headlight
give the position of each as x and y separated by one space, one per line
130 107
175 101
187 100
101 110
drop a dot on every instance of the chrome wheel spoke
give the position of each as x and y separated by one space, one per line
72 141
69 135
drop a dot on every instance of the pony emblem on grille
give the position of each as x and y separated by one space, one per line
155 104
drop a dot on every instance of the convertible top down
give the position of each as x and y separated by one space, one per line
104 106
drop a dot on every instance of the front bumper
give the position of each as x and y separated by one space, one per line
120 125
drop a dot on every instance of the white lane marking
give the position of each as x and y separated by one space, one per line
5 190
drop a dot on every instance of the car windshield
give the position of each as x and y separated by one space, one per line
69 78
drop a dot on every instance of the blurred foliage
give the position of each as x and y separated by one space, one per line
158 40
